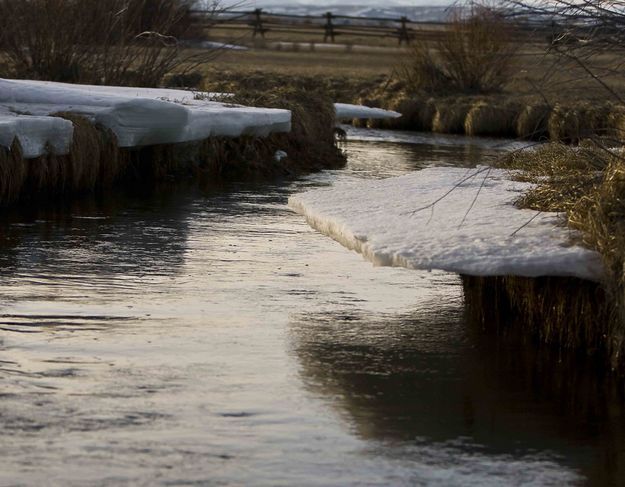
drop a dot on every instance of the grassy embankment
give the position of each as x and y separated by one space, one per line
587 185
95 162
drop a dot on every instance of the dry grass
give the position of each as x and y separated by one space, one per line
13 172
450 116
588 184
311 143
616 123
417 114
116 42
565 313
573 123
94 162
492 119
532 122
347 83
562 175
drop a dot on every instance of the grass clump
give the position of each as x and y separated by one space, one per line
563 176
564 312
417 114
114 42
94 161
573 123
311 143
13 172
492 118
450 116
532 122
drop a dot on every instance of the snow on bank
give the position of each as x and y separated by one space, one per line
137 116
37 135
345 111
452 219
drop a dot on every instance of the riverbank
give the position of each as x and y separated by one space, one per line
586 185
521 268
506 116
59 139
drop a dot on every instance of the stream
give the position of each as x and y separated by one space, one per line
208 336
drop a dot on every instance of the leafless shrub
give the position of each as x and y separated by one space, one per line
473 56
125 42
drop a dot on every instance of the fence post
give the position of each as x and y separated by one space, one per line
258 23
403 31
329 28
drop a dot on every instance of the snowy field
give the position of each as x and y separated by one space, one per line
451 219
137 116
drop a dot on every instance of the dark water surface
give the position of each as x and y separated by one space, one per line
210 337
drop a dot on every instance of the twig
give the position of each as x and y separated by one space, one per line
476 196
525 224
451 190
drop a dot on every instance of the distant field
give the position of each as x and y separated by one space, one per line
536 73
359 64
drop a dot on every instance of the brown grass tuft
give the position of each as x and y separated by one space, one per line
532 122
565 313
616 123
572 124
13 172
417 114
492 119
474 55
450 116
311 144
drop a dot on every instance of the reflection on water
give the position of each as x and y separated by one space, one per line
209 336
421 378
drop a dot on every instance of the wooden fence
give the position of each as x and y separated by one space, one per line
329 25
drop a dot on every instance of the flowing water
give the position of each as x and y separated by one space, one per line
210 337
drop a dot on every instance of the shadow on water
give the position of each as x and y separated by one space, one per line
425 378
100 235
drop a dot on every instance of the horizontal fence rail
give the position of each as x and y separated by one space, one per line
329 25
332 26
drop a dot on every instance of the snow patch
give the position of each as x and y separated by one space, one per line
37 135
345 111
279 155
137 116
451 219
